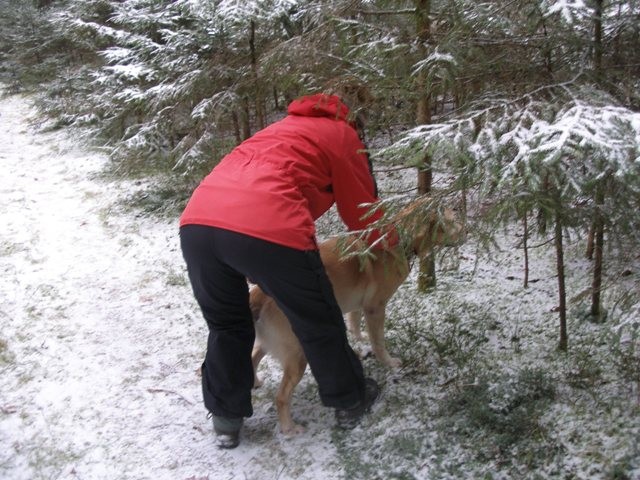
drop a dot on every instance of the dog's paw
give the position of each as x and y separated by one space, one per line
382 355
393 362
292 430
389 361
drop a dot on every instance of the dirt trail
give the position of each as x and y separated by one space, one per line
100 340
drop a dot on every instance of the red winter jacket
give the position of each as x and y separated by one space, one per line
275 184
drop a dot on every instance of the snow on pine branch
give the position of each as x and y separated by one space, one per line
218 102
97 29
130 71
240 10
571 11
434 60
579 134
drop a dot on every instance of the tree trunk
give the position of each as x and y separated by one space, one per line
598 223
547 52
525 247
562 292
236 127
590 241
276 100
42 4
427 272
596 284
259 106
597 38
246 118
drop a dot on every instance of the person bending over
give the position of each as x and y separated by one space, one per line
253 218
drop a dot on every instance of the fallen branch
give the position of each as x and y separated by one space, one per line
162 390
8 409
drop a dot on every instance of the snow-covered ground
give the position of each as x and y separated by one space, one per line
101 341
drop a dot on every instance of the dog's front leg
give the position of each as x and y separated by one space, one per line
353 324
374 317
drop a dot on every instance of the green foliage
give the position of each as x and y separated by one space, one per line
6 356
508 408
524 120
584 370
454 342
167 81
625 350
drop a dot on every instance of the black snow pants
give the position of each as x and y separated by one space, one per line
218 262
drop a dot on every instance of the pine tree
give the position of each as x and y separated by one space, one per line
528 107
552 146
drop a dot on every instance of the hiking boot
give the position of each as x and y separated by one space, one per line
227 431
348 418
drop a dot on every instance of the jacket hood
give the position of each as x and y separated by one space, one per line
320 105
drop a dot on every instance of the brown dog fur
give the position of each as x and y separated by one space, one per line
361 287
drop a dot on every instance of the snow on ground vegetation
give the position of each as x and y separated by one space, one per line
101 341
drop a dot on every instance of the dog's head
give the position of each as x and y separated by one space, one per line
425 231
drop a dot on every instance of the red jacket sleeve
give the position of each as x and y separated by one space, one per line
354 188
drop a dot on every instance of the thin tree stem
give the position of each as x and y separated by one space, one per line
562 293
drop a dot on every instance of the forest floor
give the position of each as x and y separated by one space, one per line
101 341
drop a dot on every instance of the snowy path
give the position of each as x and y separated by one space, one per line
100 340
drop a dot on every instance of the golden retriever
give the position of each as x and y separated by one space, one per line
362 285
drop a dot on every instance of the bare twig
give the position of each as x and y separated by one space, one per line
162 390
